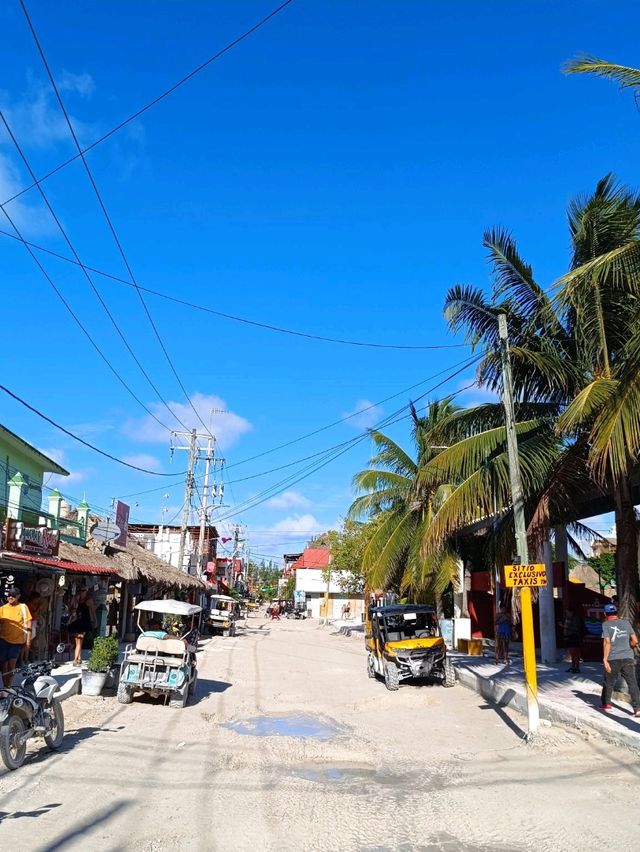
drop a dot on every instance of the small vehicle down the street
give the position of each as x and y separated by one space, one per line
162 666
404 641
30 710
223 614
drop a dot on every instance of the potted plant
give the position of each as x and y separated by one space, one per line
103 657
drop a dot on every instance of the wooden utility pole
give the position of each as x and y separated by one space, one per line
517 499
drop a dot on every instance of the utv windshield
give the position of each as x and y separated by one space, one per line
410 625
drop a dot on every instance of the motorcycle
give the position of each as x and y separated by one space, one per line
27 711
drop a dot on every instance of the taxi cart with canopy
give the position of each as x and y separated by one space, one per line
162 666
223 614
405 641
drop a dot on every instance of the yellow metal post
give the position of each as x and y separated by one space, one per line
529 653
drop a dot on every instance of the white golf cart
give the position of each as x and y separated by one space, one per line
223 614
161 666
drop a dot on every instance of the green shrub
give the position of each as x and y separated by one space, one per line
104 655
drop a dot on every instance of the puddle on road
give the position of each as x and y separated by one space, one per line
285 726
351 772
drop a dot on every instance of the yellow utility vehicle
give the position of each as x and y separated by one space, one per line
404 641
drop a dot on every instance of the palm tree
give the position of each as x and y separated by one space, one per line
600 300
576 369
395 495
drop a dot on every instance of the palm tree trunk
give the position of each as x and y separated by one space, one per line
439 610
626 551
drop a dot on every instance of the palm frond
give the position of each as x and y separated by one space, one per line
466 309
391 455
586 404
623 75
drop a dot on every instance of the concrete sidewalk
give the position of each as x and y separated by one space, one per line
564 698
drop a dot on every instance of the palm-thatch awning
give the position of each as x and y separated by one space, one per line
132 563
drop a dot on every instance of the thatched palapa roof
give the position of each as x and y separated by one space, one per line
133 562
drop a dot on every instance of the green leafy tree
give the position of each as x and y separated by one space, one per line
287 590
347 546
605 566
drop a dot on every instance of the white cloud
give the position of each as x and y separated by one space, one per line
36 118
288 500
143 460
364 414
56 480
30 218
227 427
294 526
82 84
291 533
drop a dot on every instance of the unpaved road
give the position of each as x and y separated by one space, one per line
318 757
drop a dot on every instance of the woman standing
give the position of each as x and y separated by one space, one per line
84 621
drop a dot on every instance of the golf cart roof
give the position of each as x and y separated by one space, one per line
399 609
169 607
221 598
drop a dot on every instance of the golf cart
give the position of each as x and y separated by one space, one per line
222 615
404 641
162 666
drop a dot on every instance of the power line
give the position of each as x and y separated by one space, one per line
88 277
81 440
155 101
462 364
244 320
79 322
106 216
330 455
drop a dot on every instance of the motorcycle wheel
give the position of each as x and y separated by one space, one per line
55 734
11 750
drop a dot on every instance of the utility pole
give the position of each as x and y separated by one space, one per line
517 499
188 490
205 499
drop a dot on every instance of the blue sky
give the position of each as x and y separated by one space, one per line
334 174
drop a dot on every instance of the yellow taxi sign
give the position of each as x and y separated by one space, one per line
534 575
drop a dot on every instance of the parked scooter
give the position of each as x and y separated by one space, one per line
30 710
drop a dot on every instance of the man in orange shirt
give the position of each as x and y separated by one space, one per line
15 633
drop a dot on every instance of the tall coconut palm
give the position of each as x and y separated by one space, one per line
600 300
395 494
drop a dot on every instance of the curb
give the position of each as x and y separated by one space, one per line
506 696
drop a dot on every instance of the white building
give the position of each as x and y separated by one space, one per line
310 580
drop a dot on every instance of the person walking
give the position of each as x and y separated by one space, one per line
618 657
573 632
15 634
503 636
84 621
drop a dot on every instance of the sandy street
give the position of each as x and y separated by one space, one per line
290 746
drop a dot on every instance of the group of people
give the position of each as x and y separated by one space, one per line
619 644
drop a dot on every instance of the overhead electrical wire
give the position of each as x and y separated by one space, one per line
467 362
109 221
156 100
79 322
330 455
244 320
91 284
81 440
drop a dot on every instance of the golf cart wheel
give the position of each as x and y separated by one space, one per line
371 671
179 698
449 678
53 738
125 694
225 633
12 747
391 676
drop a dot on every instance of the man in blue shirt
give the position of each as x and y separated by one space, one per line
618 657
